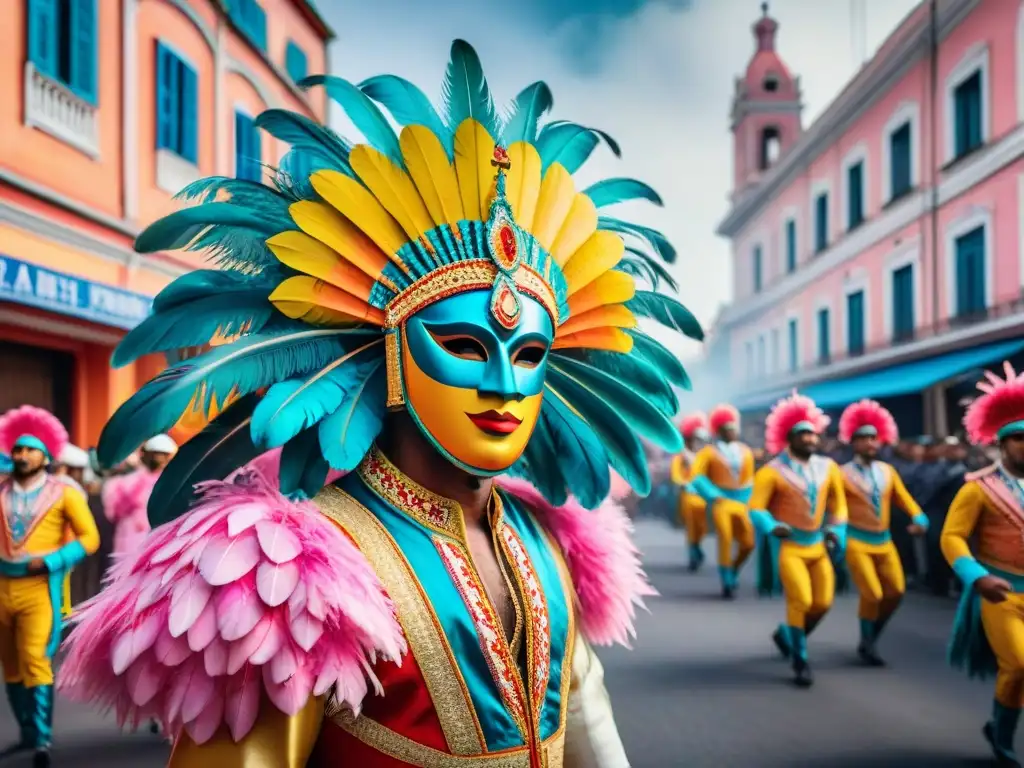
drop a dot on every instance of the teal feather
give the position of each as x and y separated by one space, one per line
323 147
641 265
612 191
667 311
201 283
526 111
647 420
363 113
653 237
248 364
303 470
652 352
241 192
537 467
182 228
347 434
221 447
465 91
641 374
568 144
408 105
578 452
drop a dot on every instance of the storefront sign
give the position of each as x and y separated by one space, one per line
34 286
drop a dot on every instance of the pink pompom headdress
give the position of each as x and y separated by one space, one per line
723 415
788 413
863 417
30 421
999 410
692 424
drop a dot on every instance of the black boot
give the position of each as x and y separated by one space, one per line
869 655
802 675
18 698
41 758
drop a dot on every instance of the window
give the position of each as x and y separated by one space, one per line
750 360
295 62
903 303
794 349
855 323
771 83
177 103
775 349
821 222
824 352
62 43
967 117
790 246
770 146
855 195
970 272
251 20
762 364
900 161
247 149
758 276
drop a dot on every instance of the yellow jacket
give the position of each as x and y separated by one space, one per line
782 494
711 463
62 516
986 509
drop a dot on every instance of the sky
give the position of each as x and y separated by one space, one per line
656 74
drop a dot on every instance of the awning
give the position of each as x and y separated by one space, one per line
893 381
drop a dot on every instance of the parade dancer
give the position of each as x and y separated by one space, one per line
791 495
723 474
989 509
872 489
430 311
693 512
47 530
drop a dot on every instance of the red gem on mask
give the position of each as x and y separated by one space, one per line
508 242
505 306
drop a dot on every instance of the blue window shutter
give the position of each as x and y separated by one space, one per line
295 62
793 350
900 161
855 194
791 246
84 59
189 114
823 331
821 222
757 269
163 98
239 142
42 35
855 322
903 303
970 272
967 115
255 152
173 72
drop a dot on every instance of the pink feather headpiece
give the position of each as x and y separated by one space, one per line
1001 403
691 423
722 415
786 414
868 413
37 422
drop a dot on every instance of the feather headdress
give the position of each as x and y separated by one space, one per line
30 421
868 416
788 413
1000 405
692 423
320 271
722 415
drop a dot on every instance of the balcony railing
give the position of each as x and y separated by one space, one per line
51 106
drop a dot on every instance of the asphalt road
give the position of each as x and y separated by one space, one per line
703 688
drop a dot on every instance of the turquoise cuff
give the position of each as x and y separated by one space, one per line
920 519
839 531
763 522
969 570
65 558
705 489
14 570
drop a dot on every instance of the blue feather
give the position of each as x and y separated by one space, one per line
363 113
347 434
303 470
182 228
578 452
537 468
612 191
205 282
641 374
525 114
666 311
317 142
568 144
646 348
249 364
613 145
465 91
408 105
641 264
653 237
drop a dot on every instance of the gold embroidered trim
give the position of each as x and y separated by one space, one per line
429 647
569 595
393 364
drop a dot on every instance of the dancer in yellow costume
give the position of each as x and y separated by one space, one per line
872 489
47 529
723 474
788 506
693 511
988 635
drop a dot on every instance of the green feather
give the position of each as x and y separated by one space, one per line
667 311
526 111
363 113
347 434
641 264
317 142
652 352
581 457
647 379
653 237
465 91
612 191
408 105
303 469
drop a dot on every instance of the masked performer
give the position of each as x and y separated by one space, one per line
47 530
722 475
791 495
988 636
427 311
693 513
872 489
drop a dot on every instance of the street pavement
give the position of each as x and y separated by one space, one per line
703 688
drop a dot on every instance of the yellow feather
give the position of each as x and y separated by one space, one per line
609 339
580 224
602 251
474 148
307 254
611 316
433 175
553 205
522 187
312 314
308 293
393 189
353 201
610 288
332 229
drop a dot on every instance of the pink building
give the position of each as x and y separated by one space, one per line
877 252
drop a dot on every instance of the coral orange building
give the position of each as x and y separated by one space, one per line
110 107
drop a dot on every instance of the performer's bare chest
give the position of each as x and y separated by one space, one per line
492 573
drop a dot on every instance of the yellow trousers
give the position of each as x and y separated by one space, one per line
1004 628
808 583
878 573
694 514
26 619
732 524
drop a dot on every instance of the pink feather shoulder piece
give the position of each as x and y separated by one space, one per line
603 562
247 593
